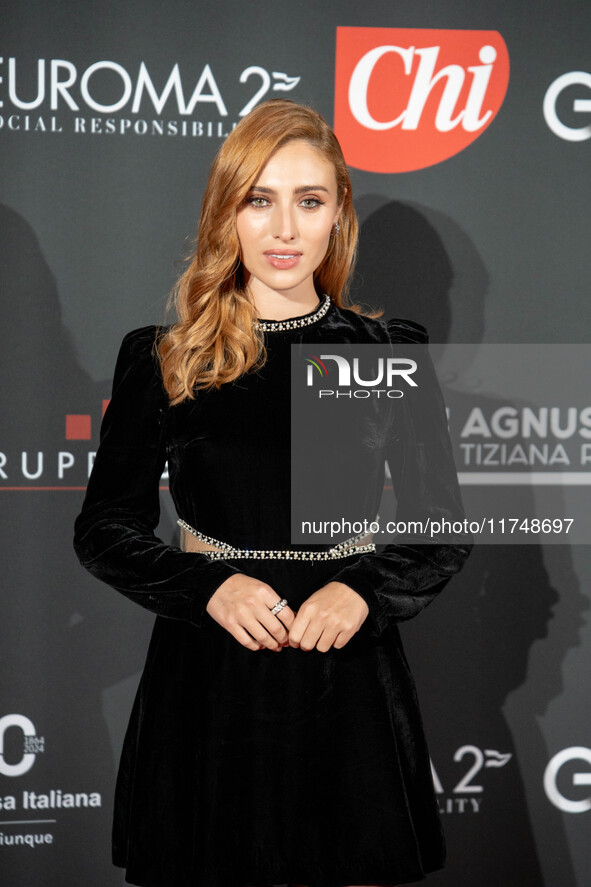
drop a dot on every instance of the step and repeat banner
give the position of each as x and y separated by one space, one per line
468 134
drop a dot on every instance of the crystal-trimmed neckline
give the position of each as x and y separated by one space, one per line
295 322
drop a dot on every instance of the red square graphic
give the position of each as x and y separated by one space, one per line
78 427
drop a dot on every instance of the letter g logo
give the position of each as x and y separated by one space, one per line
553 93
27 760
574 753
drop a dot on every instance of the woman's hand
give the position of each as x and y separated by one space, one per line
242 605
328 618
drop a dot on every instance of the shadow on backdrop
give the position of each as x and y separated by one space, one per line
470 649
66 638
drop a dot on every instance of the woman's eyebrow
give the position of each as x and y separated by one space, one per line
300 190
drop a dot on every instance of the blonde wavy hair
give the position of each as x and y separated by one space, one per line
214 340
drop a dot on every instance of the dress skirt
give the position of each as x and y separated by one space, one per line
265 767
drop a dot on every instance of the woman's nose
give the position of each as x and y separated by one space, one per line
284 223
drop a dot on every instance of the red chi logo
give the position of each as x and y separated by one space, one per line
406 99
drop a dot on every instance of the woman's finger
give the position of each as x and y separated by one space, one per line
277 624
270 598
296 631
243 637
342 638
326 640
259 632
311 635
286 616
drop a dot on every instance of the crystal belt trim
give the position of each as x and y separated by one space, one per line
297 322
342 549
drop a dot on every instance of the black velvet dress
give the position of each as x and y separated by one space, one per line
244 767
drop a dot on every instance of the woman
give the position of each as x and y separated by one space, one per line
239 768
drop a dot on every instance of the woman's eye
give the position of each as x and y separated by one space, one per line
311 202
258 201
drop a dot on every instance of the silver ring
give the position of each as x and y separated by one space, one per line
279 606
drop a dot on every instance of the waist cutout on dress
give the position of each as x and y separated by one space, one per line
194 540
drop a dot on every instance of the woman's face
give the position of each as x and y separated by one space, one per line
285 223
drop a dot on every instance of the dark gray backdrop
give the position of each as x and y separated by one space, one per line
490 245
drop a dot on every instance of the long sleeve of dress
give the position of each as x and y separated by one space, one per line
114 533
398 582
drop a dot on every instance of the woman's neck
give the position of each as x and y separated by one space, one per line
276 306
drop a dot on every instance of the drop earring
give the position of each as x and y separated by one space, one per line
337 228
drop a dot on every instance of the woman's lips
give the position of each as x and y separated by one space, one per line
282 259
